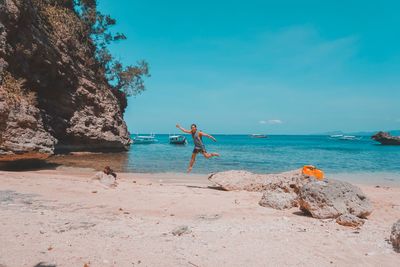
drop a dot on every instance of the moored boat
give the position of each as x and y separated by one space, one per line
258 135
177 140
345 137
350 137
336 136
144 139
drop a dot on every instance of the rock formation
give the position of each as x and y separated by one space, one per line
280 190
386 139
332 198
321 199
395 236
53 94
243 180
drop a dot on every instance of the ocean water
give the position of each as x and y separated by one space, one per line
273 154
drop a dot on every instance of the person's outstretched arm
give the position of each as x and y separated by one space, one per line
209 136
182 129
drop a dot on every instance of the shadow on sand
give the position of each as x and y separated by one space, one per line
302 213
219 188
28 165
43 264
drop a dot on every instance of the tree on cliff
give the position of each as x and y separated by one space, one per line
124 80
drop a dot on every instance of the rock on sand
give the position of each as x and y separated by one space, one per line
349 220
332 198
243 180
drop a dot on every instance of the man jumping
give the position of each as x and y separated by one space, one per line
198 144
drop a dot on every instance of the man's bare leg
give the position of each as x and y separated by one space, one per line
191 162
210 155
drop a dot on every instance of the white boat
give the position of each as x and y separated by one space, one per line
177 140
144 139
345 137
336 136
349 137
258 136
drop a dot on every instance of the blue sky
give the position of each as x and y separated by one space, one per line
275 67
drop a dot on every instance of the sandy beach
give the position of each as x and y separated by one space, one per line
64 217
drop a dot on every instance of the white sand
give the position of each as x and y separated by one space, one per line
66 224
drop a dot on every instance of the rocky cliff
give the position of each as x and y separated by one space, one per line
386 139
53 93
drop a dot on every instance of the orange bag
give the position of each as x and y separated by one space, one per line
310 170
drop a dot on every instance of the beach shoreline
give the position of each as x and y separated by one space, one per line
65 217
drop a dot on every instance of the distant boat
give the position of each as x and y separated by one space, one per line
350 137
345 137
336 136
258 136
177 140
144 139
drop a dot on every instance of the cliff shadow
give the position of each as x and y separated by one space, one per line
28 165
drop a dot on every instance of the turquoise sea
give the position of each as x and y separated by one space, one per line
273 154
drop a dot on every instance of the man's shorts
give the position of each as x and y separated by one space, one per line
199 150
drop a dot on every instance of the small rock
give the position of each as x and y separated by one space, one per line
106 180
180 230
349 220
395 236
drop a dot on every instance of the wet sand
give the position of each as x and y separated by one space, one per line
65 218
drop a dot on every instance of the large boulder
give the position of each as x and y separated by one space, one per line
280 189
233 180
395 236
279 199
332 198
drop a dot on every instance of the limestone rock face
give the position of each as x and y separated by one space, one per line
332 198
395 236
53 95
278 199
22 132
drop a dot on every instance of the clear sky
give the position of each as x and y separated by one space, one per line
289 67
